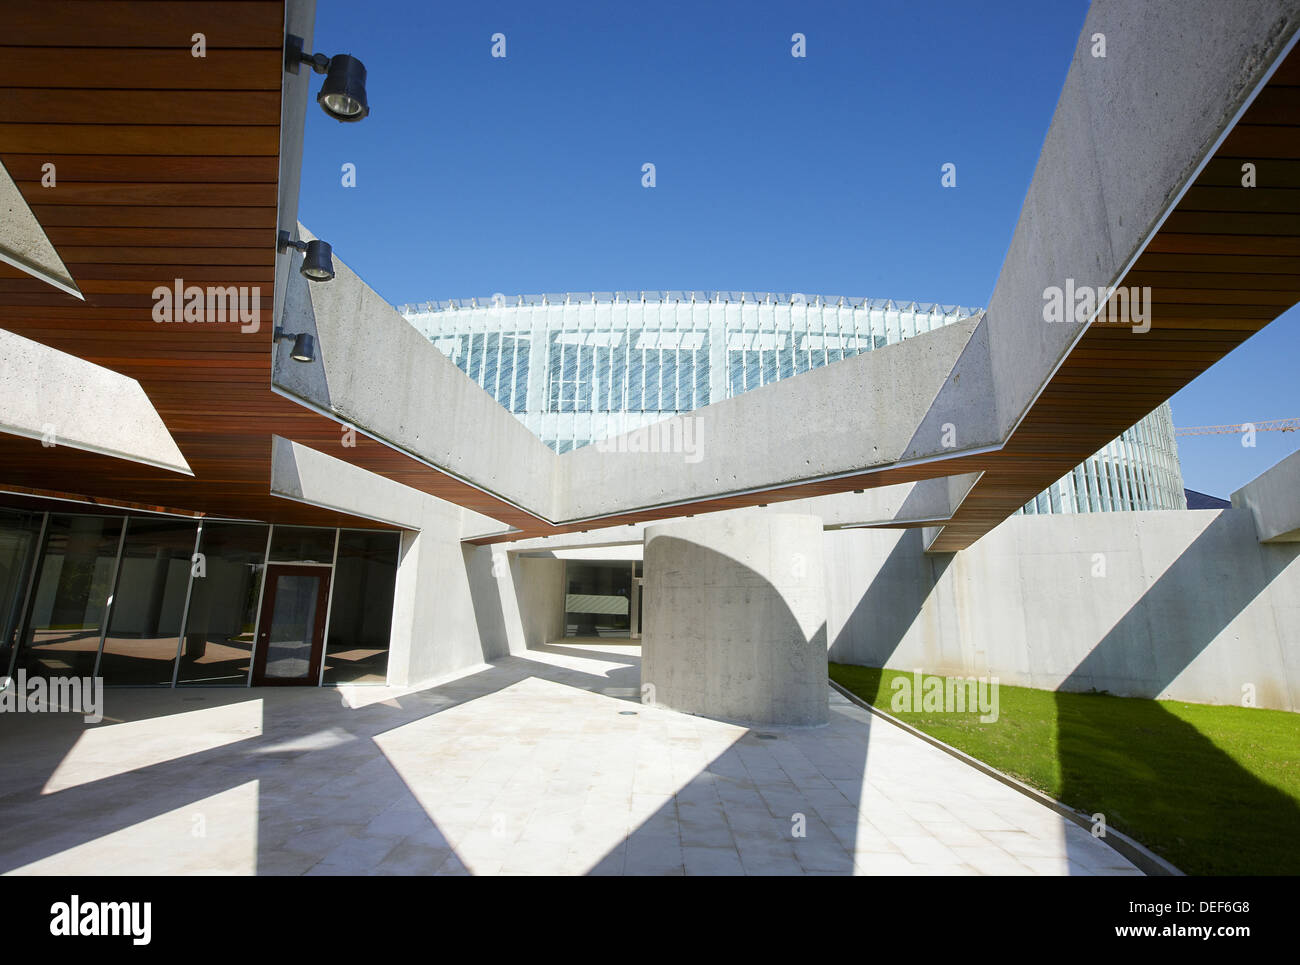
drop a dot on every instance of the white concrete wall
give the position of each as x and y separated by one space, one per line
735 618
435 623
539 588
518 601
1191 605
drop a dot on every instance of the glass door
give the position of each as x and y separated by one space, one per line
291 634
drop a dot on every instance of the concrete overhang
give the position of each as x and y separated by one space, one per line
306 475
1273 500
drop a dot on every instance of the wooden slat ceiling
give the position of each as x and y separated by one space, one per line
166 167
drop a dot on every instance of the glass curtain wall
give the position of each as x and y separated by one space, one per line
218 645
70 603
144 625
19 534
159 601
361 613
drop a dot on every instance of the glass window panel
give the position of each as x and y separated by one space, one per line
19 532
302 544
144 623
68 607
597 599
223 605
293 625
361 610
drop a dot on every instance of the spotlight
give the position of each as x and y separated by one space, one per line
343 95
317 257
304 346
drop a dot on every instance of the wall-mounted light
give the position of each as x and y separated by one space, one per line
343 95
317 256
304 346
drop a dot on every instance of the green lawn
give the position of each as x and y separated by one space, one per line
1215 790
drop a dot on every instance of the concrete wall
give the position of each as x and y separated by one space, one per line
1176 604
435 627
734 619
539 588
518 601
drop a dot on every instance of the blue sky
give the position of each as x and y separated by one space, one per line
820 174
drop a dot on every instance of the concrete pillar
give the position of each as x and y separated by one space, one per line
735 618
435 628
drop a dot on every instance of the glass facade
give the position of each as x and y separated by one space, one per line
218 639
20 535
361 614
148 604
577 368
66 617
161 601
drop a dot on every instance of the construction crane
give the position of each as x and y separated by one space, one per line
1267 425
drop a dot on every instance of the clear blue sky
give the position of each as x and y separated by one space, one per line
821 175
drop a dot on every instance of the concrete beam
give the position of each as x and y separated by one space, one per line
66 401
23 242
791 431
1174 79
1273 499
887 507
377 373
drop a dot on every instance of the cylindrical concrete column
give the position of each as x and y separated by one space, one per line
735 618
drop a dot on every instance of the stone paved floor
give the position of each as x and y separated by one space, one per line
537 764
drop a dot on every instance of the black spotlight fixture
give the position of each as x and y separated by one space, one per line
343 95
317 257
304 346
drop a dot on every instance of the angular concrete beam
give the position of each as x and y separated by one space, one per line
374 371
23 242
854 415
58 398
887 507
309 476
1273 498
1130 132
377 373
